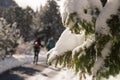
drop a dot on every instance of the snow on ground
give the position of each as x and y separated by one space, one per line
63 74
18 60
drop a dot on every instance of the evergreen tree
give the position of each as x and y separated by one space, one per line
9 35
9 14
98 53
23 18
49 20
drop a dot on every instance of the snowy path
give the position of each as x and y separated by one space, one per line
30 72
14 71
27 71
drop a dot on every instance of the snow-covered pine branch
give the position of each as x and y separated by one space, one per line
83 46
76 13
107 39
72 41
98 56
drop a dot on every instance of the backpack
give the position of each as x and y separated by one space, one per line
36 44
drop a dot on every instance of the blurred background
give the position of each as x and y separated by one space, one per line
22 21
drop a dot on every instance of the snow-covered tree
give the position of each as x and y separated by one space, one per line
8 37
23 18
90 43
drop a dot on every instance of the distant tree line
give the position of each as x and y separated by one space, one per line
23 18
45 22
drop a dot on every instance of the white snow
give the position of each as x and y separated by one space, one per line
95 4
110 8
106 51
113 78
70 6
84 45
78 6
18 60
66 42
64 74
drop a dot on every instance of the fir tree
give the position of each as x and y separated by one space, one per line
99 54
49 20
9 35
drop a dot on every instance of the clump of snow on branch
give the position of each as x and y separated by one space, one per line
66 42
78 6
82 47
100 60
110 8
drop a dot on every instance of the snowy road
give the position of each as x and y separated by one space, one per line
28 71
10 70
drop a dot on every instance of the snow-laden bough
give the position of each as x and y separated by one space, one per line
92 36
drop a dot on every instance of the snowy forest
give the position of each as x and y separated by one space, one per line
21 26
86 33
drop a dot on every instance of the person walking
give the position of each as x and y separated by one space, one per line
37 46
50 43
